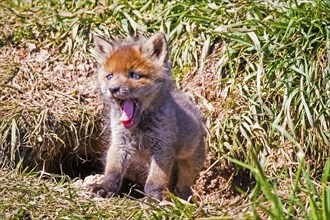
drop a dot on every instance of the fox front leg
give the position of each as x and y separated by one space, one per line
116 165
159 175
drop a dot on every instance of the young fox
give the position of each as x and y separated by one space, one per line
156 133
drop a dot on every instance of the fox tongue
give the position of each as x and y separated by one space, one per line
127 115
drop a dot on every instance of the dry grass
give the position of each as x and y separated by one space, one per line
50 107
259 71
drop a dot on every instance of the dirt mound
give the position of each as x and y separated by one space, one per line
52 110
57 116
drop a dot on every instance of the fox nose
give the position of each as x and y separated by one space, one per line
114 90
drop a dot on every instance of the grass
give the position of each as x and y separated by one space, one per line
260 72
28 197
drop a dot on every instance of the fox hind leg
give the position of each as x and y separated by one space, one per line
188 170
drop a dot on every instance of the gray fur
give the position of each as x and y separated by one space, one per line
165 150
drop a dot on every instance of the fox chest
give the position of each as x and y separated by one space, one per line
139 150
139 145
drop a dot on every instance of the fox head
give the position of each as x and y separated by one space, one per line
133 74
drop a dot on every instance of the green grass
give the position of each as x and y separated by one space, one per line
25 196
259 70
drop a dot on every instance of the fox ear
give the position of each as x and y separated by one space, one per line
156 48
103 48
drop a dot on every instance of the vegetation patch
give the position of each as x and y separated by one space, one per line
259 71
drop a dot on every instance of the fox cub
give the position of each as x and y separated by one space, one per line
156 133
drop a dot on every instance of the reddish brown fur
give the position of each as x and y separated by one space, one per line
115 64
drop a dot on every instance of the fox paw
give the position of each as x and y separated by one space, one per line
154 191
184 192
99 190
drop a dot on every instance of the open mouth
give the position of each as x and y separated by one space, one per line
130 111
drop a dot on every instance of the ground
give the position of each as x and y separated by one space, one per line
258 70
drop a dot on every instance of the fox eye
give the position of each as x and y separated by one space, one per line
109 76
134 75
